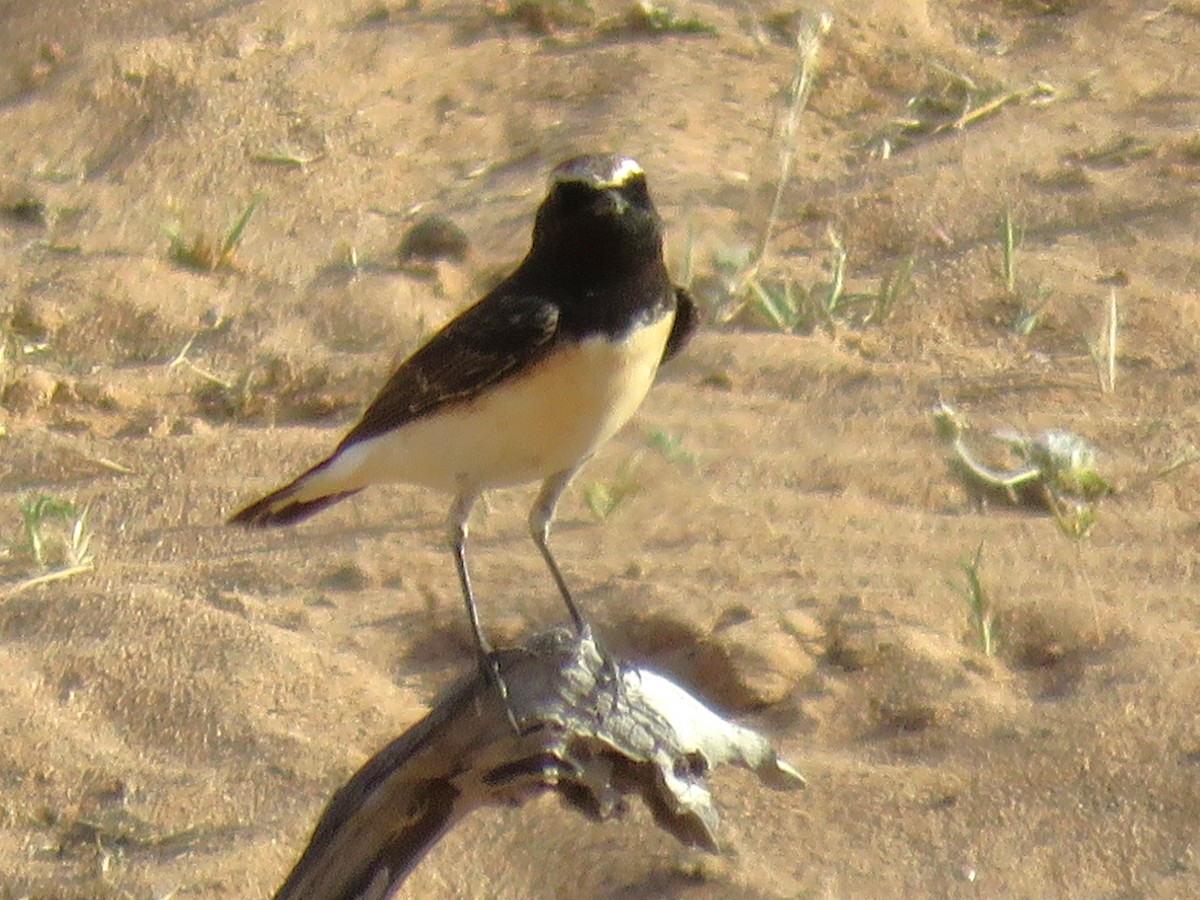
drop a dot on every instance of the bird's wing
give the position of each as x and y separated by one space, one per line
498 337
687 320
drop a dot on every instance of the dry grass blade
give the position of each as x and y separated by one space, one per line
181 361
952 101
1112 340
48 578
1040 92
1188 456
1008 262
808 44
111 464
287 158
1104 353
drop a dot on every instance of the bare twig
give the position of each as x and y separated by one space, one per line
584 733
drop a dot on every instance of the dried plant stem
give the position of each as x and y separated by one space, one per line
1104 350
48 577
1112 341
808 44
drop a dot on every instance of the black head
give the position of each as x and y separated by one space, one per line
598 215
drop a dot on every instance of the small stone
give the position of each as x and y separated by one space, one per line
699 866
229 601
144 423
349 577
66 390
25 210
432 238
293 620
21 204
198 426
33 389
720 381
767 663
37 318
732 615
160 427
96 393
851 641
185 426
803 626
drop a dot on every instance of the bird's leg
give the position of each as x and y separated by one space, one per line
540 519
460 514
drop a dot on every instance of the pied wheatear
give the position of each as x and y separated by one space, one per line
528 382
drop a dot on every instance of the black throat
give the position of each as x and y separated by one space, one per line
605 274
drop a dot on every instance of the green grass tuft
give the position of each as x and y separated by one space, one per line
56 538
981 615
204 254
1029 303
659 18
605 498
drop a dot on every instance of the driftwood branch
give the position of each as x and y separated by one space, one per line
584 733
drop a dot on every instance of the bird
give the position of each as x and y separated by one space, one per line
527 383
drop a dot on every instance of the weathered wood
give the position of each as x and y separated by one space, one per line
587 732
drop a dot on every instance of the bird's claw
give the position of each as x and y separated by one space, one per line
489 666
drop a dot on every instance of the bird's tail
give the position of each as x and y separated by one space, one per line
292 502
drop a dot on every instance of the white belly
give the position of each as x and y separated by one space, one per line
545 421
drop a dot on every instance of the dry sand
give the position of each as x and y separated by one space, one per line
172 722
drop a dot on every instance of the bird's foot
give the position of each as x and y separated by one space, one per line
611 678
489 666
608 676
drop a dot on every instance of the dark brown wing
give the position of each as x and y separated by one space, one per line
498 337
687 320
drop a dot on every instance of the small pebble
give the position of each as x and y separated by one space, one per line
432 238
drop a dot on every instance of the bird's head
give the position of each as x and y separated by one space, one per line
598 210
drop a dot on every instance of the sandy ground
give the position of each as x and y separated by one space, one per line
174 719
